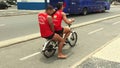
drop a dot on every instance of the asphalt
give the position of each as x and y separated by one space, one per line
34 36
37 35
27 54
13 11
96 60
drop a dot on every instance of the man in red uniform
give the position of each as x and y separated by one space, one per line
47 29
58 16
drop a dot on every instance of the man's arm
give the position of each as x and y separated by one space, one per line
50 21
66 20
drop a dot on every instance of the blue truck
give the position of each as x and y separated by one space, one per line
83 6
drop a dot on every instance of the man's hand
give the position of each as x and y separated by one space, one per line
72 20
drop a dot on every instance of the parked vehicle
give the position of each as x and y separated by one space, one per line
3 5
12 2
83 6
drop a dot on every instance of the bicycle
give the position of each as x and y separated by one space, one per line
49 48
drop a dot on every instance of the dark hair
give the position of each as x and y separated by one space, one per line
49 7
59 5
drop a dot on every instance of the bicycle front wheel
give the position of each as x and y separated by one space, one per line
72 39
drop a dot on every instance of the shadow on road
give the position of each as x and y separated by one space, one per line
66 50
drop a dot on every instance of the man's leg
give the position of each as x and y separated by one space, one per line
66 32
61 41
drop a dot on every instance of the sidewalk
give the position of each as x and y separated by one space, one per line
108 57
13 11
113 6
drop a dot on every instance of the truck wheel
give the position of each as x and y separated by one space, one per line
6 7
84 12
104 9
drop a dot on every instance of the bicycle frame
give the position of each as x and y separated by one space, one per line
55 43
49 51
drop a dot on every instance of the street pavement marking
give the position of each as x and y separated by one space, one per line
94 52
97 30
116 23
29 56
2 24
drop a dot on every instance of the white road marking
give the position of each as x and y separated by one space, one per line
24 58
2 24
116 23
97 30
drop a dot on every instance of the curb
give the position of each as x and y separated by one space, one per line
19 40
37 35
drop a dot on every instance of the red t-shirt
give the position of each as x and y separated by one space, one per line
44 25
57 20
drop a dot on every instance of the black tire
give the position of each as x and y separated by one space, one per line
73 39
49 50
104 9
6 7
84 12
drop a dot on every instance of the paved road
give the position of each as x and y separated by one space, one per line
13 11
90 38
16 26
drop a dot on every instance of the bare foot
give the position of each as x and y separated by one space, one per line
62 56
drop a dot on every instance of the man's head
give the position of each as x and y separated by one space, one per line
60 5
49 10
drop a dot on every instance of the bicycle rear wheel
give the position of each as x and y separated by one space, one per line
49 49
72 39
